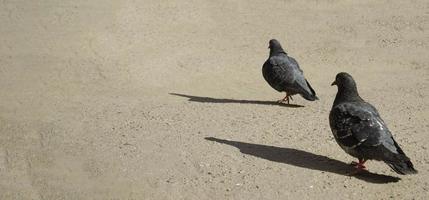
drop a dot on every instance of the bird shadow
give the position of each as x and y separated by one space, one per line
216 100
304 159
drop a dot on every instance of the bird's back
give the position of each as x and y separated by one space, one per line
276 73
356 125
283 74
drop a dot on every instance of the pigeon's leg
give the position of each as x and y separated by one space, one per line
359 167
286 98
360 164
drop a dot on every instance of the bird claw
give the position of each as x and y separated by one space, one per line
359 167
359 164
286 99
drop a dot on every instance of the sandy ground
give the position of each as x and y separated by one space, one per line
165 99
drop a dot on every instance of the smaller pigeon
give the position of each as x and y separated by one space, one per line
360 131
284 75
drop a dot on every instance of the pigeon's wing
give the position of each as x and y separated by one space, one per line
295 63
302 87
352 125
301 84
358 125
282 68
277 73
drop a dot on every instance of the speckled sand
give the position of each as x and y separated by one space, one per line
86 110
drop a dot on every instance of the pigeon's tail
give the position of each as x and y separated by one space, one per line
399 162
404 167
312 96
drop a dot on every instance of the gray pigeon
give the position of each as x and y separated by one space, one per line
360 131
284 75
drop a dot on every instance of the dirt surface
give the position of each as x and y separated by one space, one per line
166 100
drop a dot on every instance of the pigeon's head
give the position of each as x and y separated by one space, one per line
347 89
274 44
343 79
275 47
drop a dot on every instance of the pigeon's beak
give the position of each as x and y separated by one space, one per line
334 83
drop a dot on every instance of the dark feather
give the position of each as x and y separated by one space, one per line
284 74
360 131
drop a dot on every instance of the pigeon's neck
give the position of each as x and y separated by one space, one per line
277 51
347 94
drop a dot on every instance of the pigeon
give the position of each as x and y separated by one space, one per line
284 75
359 130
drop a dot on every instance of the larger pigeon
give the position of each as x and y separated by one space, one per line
360 131
284 75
